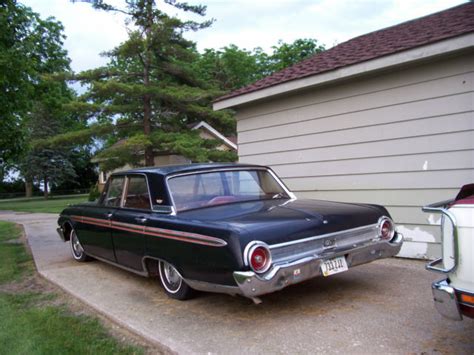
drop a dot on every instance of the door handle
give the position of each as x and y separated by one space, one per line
140 219
109 215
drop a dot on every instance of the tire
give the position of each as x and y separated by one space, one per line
76 248
173 283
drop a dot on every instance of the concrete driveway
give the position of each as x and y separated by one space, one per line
384 307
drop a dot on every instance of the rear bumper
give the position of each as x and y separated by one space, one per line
446 301
280 276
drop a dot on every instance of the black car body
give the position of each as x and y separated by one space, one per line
229 228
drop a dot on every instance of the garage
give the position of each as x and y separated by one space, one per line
383 118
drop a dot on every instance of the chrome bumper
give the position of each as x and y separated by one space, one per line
445 300
285 274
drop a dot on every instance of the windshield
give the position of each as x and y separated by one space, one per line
220 187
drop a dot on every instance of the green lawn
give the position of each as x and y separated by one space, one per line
35 322
39 204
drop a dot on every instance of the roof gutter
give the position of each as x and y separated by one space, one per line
443 47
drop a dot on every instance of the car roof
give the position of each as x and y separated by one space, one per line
185 168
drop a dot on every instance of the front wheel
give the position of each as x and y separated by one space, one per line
173 283
76 248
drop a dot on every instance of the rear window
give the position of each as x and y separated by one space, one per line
222 187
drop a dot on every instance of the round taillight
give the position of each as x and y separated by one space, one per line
259 257
386 228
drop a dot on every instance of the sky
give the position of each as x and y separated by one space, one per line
245 23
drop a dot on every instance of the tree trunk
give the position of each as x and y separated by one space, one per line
28 188
149 157
45 187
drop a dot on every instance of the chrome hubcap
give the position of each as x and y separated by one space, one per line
76 245
172 277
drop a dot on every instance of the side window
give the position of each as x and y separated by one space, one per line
114 192
137 193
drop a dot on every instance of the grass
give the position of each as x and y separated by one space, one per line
39 204
35 322
14 260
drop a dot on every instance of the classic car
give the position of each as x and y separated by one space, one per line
230 228
454 294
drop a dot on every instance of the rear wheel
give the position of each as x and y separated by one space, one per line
76 248
173 283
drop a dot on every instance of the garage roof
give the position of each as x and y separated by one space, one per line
442 25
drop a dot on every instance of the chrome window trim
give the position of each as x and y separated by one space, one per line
213 170
281 245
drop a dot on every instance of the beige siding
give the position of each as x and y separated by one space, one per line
403 139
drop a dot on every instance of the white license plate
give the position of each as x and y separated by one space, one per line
334 266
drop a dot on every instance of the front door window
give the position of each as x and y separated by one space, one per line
114 192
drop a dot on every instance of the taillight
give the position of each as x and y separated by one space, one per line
386 228
259 257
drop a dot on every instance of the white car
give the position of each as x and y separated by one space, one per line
454 294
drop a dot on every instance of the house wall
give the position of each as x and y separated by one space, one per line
403 138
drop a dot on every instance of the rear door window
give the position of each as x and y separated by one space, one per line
137 193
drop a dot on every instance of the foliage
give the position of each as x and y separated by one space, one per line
231 67
85 171
33 70
287 54
50 164
12 187
94 193
29 48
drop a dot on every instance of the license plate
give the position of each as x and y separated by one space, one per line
334 266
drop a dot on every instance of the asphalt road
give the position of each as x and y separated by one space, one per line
382 307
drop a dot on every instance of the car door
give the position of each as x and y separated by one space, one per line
129 222
95 231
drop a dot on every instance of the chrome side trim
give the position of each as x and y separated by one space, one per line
322 236
187 237
331 242
141 273
440 207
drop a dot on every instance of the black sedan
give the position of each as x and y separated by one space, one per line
228 228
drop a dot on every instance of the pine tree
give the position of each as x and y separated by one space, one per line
148 93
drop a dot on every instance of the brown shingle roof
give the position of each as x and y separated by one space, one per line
449 23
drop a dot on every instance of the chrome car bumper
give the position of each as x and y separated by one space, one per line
281 275
445 300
